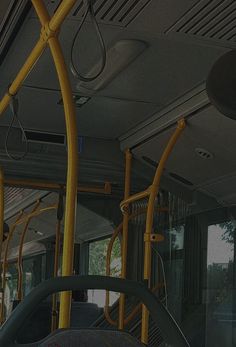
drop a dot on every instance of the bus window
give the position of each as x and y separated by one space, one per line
97 266
170 255
220 316
33 274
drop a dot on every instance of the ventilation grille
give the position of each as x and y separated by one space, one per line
46 138
12 15
214 19
116 12
150 161
180 179
14 195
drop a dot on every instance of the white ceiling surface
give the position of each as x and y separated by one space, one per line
158 76
39 110
213 132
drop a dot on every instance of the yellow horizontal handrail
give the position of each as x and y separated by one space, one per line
51 186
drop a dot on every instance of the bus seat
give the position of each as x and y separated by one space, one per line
37 326
82 315
90 338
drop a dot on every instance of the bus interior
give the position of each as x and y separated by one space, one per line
117 173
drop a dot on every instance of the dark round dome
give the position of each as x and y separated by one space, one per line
221 84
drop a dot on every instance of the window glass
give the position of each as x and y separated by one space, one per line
171 251
220 315
33 274
97 266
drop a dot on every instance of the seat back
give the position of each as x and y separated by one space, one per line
83 314
90 338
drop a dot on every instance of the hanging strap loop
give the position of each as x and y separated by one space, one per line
14 107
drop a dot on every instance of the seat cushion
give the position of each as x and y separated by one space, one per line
90 338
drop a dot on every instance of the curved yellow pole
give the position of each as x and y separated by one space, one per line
135 197
4 267
71 185
115 234
152 192
19 260
48 35
24 219
108 273
149 221
51 27
54 25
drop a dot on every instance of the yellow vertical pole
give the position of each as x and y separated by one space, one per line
124 244
1 231
60 210
149 222
48 35
51 27
4 267
20 255
71 182
56 266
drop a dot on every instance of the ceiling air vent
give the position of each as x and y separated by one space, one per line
46 138
180 179
214 19
150 161
116 12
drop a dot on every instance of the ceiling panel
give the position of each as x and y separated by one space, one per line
162 73
208 130
87 52
224 189
109 117
99 117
